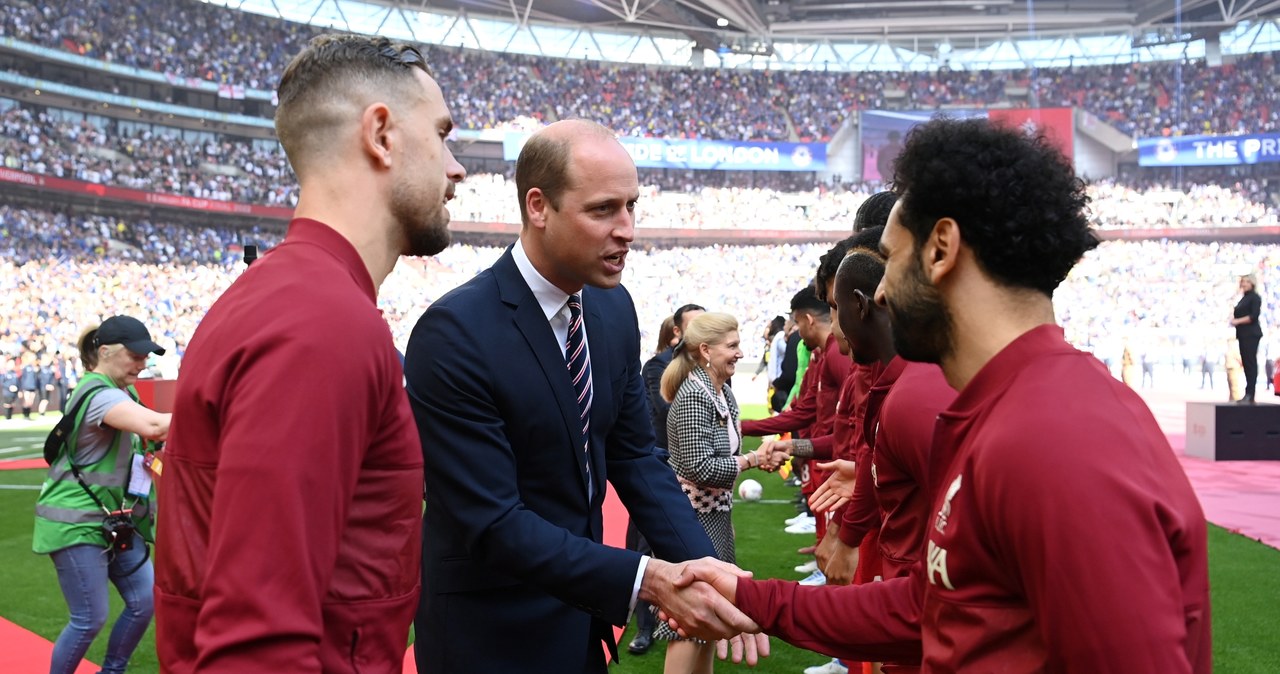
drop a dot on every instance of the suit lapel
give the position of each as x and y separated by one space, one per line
533 325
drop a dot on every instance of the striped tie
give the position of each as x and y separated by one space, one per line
578 359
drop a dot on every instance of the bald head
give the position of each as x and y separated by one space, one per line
544 162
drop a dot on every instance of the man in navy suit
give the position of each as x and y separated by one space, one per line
518 444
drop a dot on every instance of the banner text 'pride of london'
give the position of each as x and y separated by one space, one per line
1209 150
705 155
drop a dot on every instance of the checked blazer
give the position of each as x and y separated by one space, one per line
698 440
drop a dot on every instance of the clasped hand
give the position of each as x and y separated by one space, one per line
696 600
773 453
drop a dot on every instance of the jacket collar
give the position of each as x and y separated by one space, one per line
550 298
998 374
316 233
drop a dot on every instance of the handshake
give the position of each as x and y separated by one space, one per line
771 455
696 599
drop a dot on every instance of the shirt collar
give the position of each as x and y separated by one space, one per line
550 298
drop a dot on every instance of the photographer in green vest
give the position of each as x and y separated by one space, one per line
94 509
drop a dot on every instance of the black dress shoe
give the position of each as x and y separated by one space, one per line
640 645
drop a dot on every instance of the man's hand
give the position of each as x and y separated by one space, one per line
841 561
696 597
750 647
722 576
777 451
837 490
826 546
783 446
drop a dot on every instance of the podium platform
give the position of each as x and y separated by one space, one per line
1233 432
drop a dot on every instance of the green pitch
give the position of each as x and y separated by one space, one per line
1245 575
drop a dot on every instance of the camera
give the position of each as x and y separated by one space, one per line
119 531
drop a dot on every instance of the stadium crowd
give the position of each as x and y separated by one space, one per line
168 275
1155 205
28 235
187 39
71 145
68 144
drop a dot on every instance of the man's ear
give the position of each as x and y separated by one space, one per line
536 205
376 137
864 304
941 251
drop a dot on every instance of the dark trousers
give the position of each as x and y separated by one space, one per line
1249 358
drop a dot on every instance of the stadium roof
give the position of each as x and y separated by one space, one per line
710 22
814 34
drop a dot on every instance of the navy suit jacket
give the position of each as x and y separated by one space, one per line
515 577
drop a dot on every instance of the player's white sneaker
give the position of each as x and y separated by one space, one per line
816 578
803 527
833 667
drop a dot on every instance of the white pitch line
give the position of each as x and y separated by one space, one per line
20 487
11 450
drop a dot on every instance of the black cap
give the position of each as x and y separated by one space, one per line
130 332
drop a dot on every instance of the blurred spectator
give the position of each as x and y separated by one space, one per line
58 271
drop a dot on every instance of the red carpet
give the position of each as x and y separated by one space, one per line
25 652
23 464
1241 496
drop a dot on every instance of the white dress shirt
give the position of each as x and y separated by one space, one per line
554 301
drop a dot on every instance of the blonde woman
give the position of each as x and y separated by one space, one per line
1244 318
705 439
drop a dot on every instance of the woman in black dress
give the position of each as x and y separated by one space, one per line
1248 333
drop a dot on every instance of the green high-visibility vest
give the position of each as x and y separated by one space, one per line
65 514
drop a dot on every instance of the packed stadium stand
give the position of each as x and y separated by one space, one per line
67 144
56 270
95 149
188 39
63 242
